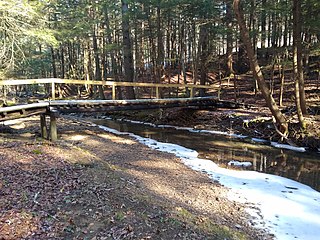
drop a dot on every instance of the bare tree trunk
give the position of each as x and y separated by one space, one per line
252 23
281 72
297 64
299 57
97 74
229 38
127 50
87 66
53 59
114 68
203 45
194 54
285 33
160 50
279 117
62 70
263 24
152 47
160 47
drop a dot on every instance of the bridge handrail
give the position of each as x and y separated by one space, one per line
16 82
108 82
24 106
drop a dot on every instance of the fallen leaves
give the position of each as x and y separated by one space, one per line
99 190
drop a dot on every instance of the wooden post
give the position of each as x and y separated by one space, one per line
43 125
157 92
53 90
113 92
53 127
191 92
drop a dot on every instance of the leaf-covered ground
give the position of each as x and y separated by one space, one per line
95 185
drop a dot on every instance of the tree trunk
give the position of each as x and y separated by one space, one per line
281 72
114 68
97 74
194 54
160 50
127 50
285 32
252 23
203 45
53 59
62 70
263 24
229 38
279 117
297 64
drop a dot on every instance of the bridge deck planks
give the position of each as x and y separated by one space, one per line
53 108
68 106
20 111
116 105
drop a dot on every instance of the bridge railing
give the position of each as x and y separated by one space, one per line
108 82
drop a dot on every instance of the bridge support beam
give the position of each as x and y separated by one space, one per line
53 127
53 133
43 126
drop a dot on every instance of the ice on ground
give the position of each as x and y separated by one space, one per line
286 146
274 144
288 209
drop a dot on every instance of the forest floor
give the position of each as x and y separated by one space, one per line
91 184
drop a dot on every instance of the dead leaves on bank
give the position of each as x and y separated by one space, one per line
43 196
86 190
34 186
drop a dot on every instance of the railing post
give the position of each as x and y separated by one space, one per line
53 90
113 91
191 92
157 92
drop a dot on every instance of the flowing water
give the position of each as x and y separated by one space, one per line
232 152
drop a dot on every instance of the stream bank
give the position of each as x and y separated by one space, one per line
255 122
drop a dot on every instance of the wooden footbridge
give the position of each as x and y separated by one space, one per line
52 108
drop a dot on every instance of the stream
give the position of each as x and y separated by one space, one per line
232 152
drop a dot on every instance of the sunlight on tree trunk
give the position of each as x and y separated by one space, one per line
297 64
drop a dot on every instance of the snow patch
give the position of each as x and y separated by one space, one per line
239 164
288 209
274 144
289 147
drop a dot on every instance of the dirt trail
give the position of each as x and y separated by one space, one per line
95 185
